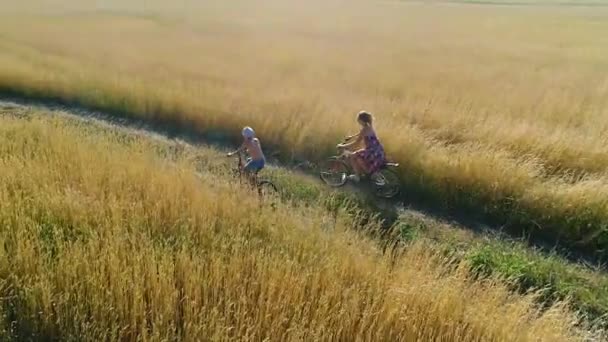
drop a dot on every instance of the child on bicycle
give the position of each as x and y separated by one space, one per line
252 146
371 158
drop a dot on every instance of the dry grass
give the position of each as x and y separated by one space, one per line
497 109
141 248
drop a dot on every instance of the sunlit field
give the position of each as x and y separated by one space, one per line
496 110
493 110
150 246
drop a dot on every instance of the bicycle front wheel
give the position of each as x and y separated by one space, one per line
334 172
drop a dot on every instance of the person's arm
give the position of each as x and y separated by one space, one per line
354 142
352 136
241 148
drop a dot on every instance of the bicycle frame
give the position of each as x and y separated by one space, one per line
343 155
239 166
253 180
240 169
383 186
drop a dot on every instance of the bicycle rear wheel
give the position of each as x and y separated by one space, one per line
334 172
386 183
266 188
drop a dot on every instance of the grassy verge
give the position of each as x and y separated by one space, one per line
524 268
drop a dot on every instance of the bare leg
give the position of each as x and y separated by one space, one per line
250 178
355 162
362 166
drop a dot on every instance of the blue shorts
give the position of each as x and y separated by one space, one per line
254 166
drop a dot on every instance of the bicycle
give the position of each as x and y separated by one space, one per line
335 170
264 186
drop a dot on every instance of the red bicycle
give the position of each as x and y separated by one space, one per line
335 171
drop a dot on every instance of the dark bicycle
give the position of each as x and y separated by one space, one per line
335 171
264 186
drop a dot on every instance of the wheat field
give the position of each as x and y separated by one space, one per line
111 235
142 247
495 110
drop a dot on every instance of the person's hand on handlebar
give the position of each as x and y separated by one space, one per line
343 143
343 148
347 143
230 154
